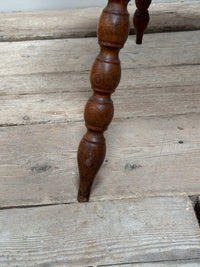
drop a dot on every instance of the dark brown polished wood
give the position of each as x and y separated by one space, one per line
105 76
141 18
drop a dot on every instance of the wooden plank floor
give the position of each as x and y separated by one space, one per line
82 22
107 232
140 213
156 107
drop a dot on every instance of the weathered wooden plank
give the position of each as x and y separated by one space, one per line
77 55
83 22
129 102
145 157
53 87
165 101
78 82
107 232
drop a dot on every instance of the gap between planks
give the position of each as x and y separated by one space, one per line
176 263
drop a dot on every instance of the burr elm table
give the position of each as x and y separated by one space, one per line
105 76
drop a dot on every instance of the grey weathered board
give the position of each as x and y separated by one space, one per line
144 158
44 85
107 232
46 82
51 78
83 22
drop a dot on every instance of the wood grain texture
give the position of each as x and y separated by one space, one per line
107 232
77 55
47 81
155 156
83 22
38 163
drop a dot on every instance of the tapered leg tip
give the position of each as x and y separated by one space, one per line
82 198
138 42
139 38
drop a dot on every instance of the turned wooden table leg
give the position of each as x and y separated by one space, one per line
141 18
105 76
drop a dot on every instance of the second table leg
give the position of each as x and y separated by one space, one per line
141 18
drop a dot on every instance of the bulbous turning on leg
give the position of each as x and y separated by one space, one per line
105 77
